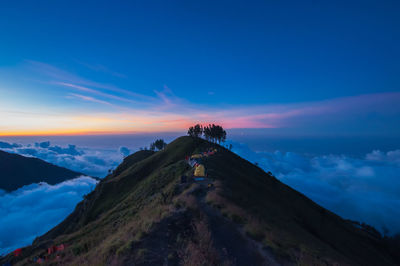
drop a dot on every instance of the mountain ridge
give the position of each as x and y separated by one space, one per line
143 214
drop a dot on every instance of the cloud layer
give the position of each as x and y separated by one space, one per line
363 189
34 209
93 162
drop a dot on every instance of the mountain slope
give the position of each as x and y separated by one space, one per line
143 215
17 171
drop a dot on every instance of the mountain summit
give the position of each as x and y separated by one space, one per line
197 203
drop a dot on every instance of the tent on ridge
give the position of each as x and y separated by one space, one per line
60 247
51 249
200 171
17 252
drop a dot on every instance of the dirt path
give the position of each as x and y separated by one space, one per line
160 244
228 237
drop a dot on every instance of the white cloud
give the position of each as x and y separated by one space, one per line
6 145
34 209
390 156
362 189
124 151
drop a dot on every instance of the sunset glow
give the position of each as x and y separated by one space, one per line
120 91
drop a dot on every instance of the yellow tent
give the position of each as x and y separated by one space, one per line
196 156
200 171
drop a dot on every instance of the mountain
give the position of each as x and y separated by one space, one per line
17 171
142 214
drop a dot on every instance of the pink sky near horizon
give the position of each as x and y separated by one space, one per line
76 105
177 116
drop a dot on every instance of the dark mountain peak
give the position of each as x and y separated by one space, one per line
17 171
155 209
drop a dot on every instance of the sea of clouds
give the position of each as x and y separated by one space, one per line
34 209
365 189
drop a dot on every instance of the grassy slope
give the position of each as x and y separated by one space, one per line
291 223
128 212
33 170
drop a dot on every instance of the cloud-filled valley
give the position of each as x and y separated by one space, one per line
362 189
34 209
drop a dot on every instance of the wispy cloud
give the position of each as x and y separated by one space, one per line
309 113
96 92
129 111
58 75
88 98
161 101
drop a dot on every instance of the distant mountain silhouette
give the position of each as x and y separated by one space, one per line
17 171
152 211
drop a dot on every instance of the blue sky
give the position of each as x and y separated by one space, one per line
125 65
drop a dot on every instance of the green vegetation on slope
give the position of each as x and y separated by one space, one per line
287 221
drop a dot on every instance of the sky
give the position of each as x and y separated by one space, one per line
116 67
